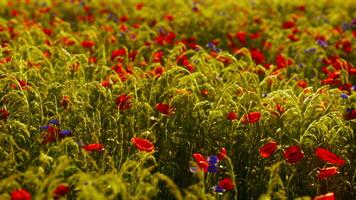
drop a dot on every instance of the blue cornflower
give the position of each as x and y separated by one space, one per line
353 88
310 50
213 160
44 128
344 96
54 121
65 133
210 45
212 168
353 23
322 43
345 26
218 189
349 110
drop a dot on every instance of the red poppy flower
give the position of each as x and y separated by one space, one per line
87 44
157 57
257 56
292 37
227 184
61 190
350 115
231 116
302 83
20 194
329 157
204 92
280 109
255 35
282 62
139 6
293 154
93 147
222 154
168 17
116 53
288 24
251 117
201 161
4 114
165 109
157 71
92 60
328 196
50 135
241 36
23 85
346 46
346 86
268 149
123 102
105 83
47 31
143 144
327 172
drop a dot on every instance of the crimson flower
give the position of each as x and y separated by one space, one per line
52 133
105 83
157 56
116 53
268 149
165 109
202 162
231 116
20 194
222 154
288 24
282 62
327 172
350 115
302 83
204 92
4 114
328 156
328 196
93 147
280 109
123 102
61 190
257 56
293 154
251 117
347 46
226 183
87 44
255 35
143 144
47 31
241 36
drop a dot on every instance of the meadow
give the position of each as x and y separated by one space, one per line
178 99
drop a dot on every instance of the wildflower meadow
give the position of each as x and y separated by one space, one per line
177 99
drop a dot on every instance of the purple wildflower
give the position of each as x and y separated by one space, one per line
344 96
322 43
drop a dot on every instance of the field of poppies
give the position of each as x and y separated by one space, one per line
178 99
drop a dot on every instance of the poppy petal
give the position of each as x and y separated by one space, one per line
327 156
